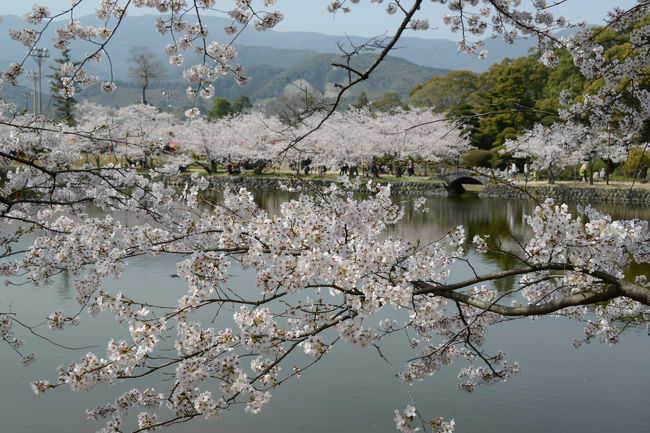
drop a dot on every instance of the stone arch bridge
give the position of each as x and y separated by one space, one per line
454 179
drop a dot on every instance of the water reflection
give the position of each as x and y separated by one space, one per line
65 287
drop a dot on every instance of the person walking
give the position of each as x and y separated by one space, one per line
513 171
583 172
526 171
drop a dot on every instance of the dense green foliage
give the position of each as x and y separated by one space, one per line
445 92
222 107
637 160
500 103
515 94
389 102
241 104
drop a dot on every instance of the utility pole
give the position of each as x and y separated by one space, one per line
26 94
168 94
32 75
39 54
609 144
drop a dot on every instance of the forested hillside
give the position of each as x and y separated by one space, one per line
267 81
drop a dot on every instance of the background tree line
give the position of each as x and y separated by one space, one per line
513 95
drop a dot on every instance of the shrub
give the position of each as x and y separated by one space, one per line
637 160
476 158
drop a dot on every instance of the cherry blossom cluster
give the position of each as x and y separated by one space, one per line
327 269
406 422
561 144
589 248
625 103
7 336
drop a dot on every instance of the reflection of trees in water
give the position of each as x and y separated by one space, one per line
64 286
270 199
499 218
622 211
503 219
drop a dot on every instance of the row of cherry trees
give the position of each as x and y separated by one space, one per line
326 266
137 132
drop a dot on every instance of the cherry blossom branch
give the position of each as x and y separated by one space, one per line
49 340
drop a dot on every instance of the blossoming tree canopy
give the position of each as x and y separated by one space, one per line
327 270
559 145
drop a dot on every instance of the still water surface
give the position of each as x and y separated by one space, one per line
595 389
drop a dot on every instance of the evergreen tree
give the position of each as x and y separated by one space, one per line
362 101
63 105
241 104
388 103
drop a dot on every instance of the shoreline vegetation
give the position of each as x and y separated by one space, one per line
618 190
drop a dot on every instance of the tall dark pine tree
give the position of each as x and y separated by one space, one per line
362 101
63 106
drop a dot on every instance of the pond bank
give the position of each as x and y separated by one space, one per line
560 192
573 194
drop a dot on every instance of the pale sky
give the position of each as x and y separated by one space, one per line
366 19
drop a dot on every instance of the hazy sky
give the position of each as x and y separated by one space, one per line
366 19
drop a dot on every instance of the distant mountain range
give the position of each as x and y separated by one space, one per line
272 59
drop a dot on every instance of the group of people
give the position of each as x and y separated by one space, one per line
396 168
513 170
370 168
584 176
351 170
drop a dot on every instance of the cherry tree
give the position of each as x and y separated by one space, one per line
200 138
419 133
326 268
546 147
103 127
253 136
148 131
587 144
345 139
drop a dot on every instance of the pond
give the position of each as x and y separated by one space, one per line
595 389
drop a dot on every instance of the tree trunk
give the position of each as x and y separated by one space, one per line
551 176
144 90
